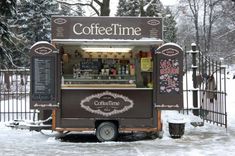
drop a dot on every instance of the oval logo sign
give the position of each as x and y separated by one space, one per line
153 22
43 50
107 103
60 21
170 52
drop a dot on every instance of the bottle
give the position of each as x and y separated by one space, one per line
123 70
119 70
127 70
74 71
132 69
62 80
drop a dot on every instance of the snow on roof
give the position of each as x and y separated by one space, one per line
39 42
173 44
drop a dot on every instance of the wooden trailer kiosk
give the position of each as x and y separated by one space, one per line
106 74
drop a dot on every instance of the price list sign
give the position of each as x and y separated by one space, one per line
44 76
43 87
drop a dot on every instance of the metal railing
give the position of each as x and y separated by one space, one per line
14 95
209 84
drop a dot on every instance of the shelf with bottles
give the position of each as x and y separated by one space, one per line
101 80
98 77
119 71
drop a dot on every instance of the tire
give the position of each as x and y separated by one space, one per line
106 131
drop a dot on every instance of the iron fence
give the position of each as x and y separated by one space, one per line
14 95
207 81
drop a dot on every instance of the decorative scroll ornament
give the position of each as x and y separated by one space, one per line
60 21
170 52
107 103
153 22
43 50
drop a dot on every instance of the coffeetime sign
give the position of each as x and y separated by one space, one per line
107 103
125 28
113 29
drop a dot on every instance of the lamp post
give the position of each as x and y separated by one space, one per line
194 53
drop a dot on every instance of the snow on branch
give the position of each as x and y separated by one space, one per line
98 2
9 57
147 5
70 8
83 4
226 34
77 3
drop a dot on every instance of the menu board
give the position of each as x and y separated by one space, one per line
168 77
90 65
43 78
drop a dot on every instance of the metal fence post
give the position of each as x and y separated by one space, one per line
194 76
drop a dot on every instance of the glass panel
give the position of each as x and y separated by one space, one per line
133 69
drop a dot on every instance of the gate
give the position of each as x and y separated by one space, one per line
14 95
205 87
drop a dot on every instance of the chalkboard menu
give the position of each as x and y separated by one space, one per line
168 77
90 65
44 76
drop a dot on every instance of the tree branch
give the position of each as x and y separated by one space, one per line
78 3
98 2
190 5
225 34
147 5
70 8
81 4
93 7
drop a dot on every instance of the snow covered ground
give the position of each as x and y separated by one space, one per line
206 140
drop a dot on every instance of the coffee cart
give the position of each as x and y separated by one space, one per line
106 74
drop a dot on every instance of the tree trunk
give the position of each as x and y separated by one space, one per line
197 30
142 12
194 7
204 26
104 8
7 80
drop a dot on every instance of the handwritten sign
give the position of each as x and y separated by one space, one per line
168 77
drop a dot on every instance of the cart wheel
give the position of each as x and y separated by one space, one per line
106 131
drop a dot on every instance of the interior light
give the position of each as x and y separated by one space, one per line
107 49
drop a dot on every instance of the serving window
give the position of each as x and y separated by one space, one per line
106 67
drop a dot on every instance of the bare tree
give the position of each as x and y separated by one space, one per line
206 12
204 22
213 15
194 7
102 10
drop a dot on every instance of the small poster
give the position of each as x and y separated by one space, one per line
146 64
